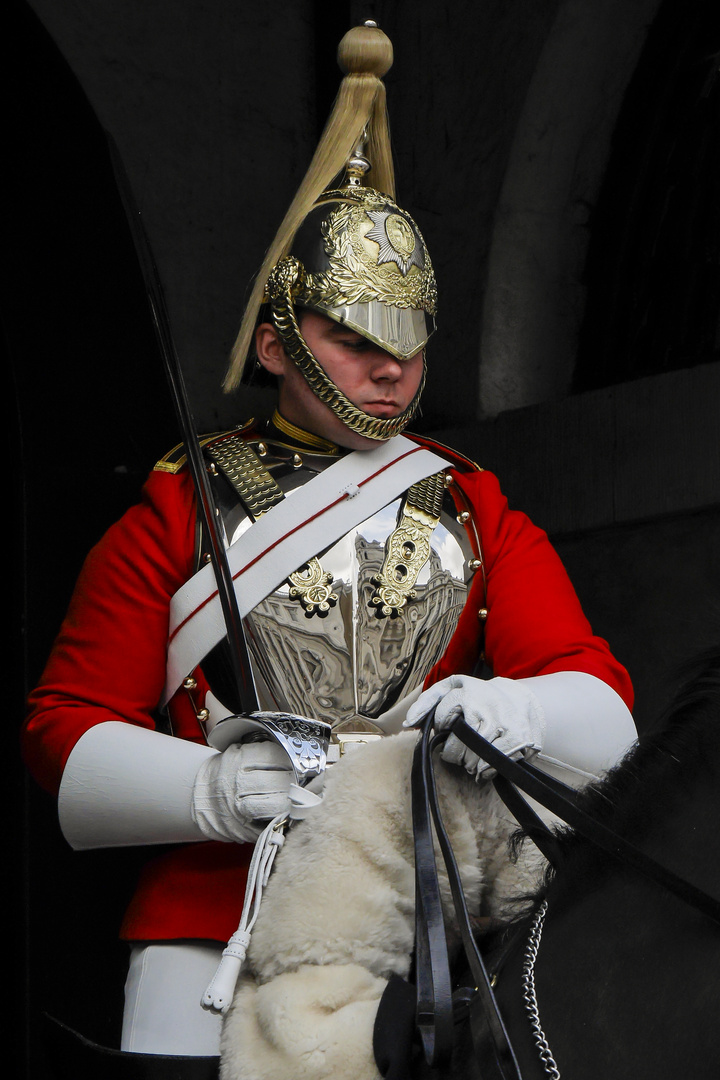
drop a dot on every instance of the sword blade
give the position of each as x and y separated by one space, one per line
196 462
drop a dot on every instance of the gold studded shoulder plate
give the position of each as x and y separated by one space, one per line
241 463
176 459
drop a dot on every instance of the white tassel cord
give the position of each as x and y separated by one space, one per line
219 994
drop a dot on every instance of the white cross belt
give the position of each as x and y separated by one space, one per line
333 502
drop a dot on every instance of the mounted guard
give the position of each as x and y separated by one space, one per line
374 571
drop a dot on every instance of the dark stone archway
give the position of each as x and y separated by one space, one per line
653 270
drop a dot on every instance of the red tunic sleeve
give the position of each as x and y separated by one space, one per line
535 624
108 662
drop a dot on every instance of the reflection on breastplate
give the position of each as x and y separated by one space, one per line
352 663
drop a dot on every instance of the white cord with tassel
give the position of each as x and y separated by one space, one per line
219 994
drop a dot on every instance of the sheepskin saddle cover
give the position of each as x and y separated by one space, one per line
338 916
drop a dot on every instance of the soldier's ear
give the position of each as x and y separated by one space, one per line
269 350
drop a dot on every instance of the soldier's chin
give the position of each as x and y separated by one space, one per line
382 412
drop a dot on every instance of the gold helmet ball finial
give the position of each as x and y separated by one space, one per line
365 50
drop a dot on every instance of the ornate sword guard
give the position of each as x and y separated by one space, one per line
305 741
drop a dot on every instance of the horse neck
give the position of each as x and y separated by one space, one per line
664 798
614 938
686 839
678 778
613 957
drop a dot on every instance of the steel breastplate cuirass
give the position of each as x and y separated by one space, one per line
350 665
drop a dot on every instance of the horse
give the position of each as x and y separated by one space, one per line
604 973
610 973
337 918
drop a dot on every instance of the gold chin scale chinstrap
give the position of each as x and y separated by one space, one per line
283 279
408 547
259 492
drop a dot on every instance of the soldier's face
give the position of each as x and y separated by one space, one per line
369 377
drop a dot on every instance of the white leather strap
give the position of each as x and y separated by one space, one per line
289 534
126 785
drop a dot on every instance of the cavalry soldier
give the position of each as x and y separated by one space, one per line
370 565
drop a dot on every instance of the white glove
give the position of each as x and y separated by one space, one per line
504 711
237 792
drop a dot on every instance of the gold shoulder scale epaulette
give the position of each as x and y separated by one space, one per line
176 459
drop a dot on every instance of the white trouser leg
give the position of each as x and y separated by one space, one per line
162 1012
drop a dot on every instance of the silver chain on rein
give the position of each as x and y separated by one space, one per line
530 996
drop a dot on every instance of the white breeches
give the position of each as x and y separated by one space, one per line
162 1012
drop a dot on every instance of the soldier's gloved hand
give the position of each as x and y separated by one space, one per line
504 711
237 792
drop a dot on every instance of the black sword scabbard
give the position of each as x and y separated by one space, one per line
198 470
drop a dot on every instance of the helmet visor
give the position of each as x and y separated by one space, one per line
403 332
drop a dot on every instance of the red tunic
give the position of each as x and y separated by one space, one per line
108 663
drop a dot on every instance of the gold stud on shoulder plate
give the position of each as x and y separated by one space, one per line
202 715
475 564
448 480
463 517
482 614
190 683
297 461
261 449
